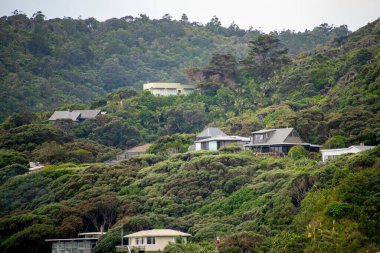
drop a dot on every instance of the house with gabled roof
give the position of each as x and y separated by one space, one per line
279 141
137 150
210 132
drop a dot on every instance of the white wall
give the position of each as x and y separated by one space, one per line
160 244
198 146
330 153
213 145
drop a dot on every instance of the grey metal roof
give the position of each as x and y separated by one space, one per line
88 114
278 136
211 132
74 116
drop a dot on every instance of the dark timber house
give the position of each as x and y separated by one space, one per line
278 141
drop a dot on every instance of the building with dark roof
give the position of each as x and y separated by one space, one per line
278 141
75 115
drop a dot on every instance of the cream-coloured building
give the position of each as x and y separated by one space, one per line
154 240
331 153
169 89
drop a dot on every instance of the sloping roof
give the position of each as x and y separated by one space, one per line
88 114
361 148
278 136
225 138
211 132
158 233
74 116
139 149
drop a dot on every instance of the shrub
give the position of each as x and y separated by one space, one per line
297 152
337 210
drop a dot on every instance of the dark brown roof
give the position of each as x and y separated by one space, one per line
139 149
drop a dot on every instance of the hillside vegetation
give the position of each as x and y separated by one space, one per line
276 205
45 63
330 95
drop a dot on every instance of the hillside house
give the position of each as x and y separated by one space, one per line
331 153
278 141
75 115
169 89
85 243
137 150
154 240
213 138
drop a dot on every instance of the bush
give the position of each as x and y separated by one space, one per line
337 210
336 141
297 152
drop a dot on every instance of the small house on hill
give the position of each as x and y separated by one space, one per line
215 143
213 138
154 240
278 141
137 150
85 242
169 89
331 153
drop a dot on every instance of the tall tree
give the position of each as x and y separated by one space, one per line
265 56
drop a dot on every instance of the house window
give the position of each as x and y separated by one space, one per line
259 138
139 241
205 146
150 240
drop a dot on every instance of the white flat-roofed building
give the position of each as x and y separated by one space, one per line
154 240
169 89
331 153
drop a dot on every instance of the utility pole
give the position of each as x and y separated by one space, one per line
122 238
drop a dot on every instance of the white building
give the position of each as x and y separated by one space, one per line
215 143
213 138
331 153
169 89
154 240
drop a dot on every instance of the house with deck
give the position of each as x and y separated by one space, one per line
331 153
84 243
154 240
278 141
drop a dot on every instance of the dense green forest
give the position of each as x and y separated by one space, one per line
45 63
247 81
